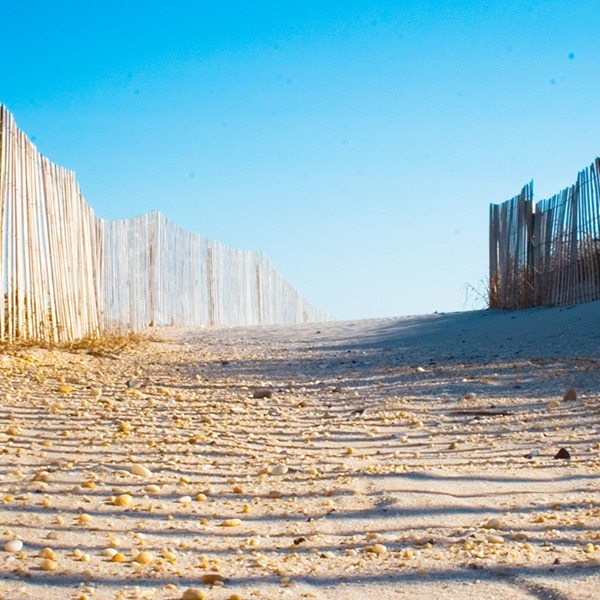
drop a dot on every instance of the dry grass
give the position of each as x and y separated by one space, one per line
108 344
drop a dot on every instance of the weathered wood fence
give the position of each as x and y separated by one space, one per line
67 274
547 254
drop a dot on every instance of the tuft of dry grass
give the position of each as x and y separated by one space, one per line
104 345
107 344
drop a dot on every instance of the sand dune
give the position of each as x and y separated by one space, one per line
393 458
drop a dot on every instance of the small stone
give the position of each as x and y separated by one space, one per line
48 564
299 540
193 594
213 578
378 549
152 489
13 546
65 388
48 553
570 395
493 538
553 404
141 470
261 394
494 523
144 557
119 557
231 523
279 470
124 500
185 500
563 453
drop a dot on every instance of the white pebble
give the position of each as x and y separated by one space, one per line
279 470
495 539
141 470
13 546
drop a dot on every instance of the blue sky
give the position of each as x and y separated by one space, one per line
357 144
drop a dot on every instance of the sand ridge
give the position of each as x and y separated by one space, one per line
393 458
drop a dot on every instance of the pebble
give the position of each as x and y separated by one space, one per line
261 394
279 470
212 578
48 564
494 538
231 523
493 523
144 557
141 470
379 549
570 395
65 388
48 553
124 500
13 546
119 557
193 594
125 426
563 453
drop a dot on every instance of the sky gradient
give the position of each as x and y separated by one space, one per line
357 144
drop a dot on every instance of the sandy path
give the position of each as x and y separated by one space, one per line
409 458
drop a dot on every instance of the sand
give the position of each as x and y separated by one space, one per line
397 458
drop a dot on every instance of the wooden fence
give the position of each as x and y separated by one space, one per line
67 274
547 254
